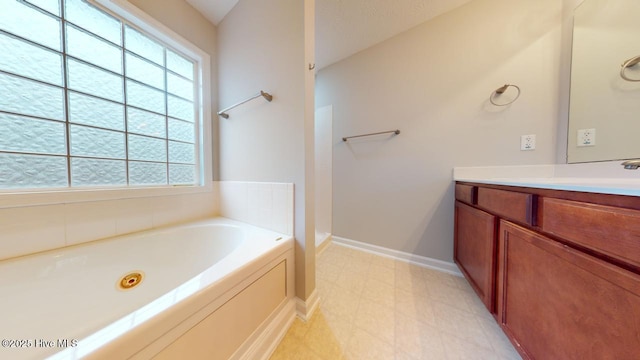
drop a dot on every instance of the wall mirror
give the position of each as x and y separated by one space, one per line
604 109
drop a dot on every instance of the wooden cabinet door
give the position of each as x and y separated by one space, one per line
475 250
555 302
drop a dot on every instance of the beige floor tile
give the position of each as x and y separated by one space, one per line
461 349
419 292
415 306
437 277
382 273
342 328
342 303
379 292
376 319
409 267
356 265
374 307
351 252
334 330
510 355
287 349
462 283
418 340
364 346
403 355
352 281
328 272
306 353
461 324
298 329
452 296
336 259
326 340
498 339
409 279
384 262
359 253
324 288
477 306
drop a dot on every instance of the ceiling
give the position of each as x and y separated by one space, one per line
345 27
214 10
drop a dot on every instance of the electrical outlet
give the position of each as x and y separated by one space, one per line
586 137
527 142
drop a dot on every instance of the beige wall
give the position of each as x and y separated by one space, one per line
323 176
264 45
433 83
187 22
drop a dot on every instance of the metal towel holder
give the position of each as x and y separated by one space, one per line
396 132
627 64
265 95
499 91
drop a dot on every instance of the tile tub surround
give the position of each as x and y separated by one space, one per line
374 307
264 204
31 229
605 177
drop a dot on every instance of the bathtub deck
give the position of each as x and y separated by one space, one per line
71 295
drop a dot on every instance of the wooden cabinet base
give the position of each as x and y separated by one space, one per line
475 250
555 302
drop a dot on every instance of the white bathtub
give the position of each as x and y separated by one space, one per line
66 303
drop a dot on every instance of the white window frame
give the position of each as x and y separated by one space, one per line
133 15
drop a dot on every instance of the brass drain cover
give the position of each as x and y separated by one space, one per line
130 280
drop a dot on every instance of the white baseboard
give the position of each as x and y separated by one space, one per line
444 266
323 245
305 309
266 339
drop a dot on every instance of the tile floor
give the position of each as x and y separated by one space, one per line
373 307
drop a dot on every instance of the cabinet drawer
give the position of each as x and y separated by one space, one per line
612 231
507 204
466 193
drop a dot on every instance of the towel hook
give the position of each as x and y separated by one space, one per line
627 64
312 66
499 91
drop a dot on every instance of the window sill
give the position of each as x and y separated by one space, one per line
55 197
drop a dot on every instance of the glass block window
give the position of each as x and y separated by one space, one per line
88 99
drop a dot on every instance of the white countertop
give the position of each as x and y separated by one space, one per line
605 178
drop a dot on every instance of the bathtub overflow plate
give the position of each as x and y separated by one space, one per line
130 280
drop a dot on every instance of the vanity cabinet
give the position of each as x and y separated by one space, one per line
560 303
564 268
474 250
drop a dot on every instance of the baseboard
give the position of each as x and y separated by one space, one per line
323 245
444 266
305 309
264 341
